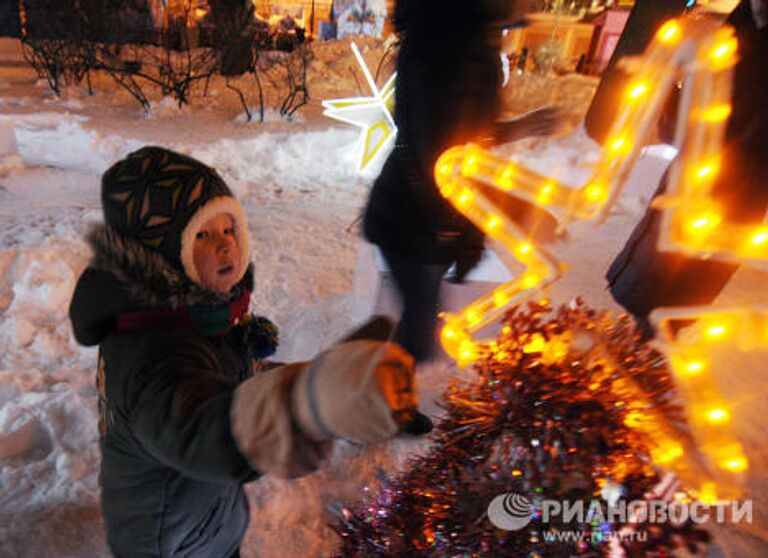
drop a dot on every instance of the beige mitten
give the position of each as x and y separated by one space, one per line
360 390
355 391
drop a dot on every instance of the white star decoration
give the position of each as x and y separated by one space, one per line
373 115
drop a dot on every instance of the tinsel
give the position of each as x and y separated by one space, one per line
549 415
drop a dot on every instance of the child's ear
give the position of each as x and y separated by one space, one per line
378 328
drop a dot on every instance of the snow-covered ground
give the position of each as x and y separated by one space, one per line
314 278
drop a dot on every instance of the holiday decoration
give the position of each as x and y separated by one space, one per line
692 222
372 114
709 414
551 415
707 56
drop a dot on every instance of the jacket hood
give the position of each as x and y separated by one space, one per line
123 275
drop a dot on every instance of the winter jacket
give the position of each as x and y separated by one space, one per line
446 94
171 475
642 278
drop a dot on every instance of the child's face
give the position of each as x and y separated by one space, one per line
216 253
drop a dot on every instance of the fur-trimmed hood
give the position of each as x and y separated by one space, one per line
123 276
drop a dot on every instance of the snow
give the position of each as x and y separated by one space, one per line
314 278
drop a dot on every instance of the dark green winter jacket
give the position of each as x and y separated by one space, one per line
171 475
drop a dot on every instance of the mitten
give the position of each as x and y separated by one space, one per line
262 336
360 390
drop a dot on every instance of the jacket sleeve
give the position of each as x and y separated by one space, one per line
265 424
179 408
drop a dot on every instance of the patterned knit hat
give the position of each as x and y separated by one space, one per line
160 199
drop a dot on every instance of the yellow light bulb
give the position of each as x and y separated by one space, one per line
530 280
700 223
472 317
469 166
717 113
464 198
467 350
492 223
449 332
760 237
545 194
720 51
723 49
716 331
669 32
693 368
704 222
620 144
706 170
447 188
717 415
594 193
735 464
524 248
637 90
506 179
500 298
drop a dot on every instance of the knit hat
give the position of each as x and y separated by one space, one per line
160 199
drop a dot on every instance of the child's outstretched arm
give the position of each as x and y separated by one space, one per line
361 390
280 421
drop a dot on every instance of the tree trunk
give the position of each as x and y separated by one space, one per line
646 17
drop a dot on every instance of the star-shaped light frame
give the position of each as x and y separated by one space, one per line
704 55
373 115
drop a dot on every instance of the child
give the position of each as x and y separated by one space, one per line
183 422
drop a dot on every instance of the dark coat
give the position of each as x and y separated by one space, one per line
448 78
642 278
171 473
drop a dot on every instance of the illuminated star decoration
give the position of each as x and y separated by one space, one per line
372 114
705 55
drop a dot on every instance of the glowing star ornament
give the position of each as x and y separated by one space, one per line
372 114
541 268
704 55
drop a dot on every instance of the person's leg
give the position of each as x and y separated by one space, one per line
419 288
